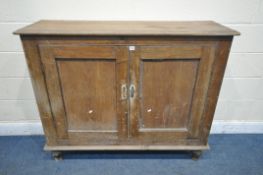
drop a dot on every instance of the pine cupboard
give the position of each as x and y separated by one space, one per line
126 85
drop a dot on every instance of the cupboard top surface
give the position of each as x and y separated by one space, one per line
127 28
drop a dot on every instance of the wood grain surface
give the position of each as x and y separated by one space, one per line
127 28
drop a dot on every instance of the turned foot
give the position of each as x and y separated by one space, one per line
57 155
196 154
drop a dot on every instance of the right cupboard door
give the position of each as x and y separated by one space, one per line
168 92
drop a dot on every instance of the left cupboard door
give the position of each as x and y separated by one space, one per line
87 88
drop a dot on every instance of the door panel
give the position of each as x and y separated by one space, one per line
170 91
166 93
84 85
89 94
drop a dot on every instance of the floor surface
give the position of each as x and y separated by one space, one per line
229 155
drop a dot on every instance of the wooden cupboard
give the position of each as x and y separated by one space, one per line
126 85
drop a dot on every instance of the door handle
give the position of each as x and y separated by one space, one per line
123 92
132 90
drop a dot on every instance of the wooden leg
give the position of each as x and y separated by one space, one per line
57 155
196 154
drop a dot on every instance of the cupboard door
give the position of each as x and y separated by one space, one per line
168 92
86 87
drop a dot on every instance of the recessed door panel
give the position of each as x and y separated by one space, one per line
167 90
84 85
89 92
170 85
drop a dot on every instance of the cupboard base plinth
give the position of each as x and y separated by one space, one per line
128 148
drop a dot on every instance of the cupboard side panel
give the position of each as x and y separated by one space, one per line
30 46
221 57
